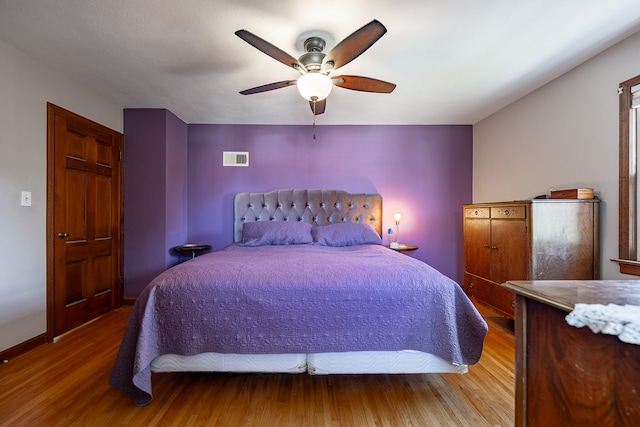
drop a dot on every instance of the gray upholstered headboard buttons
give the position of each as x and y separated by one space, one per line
316 207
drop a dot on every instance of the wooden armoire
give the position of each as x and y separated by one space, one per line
540 239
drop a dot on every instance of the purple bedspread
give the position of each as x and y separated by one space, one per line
296 299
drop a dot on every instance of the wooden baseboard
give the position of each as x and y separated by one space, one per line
17 350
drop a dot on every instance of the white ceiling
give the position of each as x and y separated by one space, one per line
454 61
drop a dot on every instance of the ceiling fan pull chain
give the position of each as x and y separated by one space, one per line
314 116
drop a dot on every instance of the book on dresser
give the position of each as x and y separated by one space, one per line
540 239
573 193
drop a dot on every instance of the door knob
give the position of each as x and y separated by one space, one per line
63 235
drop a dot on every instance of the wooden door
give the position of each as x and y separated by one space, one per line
83 220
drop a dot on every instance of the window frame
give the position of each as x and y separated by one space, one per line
627 184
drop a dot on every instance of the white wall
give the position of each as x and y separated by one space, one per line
564 135
25 87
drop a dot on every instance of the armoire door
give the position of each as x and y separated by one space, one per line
477 241
509 250
509 260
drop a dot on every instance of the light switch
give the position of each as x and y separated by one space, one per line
25 199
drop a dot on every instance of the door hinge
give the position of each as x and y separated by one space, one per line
120 155
620 90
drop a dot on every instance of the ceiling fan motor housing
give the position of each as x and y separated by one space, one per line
314 44
312 60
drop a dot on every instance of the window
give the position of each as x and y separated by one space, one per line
628 224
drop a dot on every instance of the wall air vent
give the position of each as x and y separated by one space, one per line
235 158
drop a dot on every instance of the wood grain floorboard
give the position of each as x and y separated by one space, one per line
67 384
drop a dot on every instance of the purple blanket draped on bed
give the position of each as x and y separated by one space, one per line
296 299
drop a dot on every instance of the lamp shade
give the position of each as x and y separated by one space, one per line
314 86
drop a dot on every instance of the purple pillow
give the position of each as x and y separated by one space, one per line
264 233
345 234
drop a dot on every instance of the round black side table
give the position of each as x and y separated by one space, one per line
403 248
192 249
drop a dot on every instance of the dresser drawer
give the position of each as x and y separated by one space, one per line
475 212
515 212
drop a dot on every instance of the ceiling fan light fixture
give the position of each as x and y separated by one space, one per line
314 86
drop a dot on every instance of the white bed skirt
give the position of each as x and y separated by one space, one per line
359 362
380 362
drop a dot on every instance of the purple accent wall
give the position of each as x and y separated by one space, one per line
176 186
155 194
423 172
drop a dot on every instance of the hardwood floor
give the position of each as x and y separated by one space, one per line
67 384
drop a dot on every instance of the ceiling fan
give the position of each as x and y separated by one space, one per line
315 67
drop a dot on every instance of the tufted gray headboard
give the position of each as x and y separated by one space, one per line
316 207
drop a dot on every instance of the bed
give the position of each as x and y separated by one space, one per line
307 286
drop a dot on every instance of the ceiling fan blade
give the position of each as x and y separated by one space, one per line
268 87
319 107
364 84
354 45
266 47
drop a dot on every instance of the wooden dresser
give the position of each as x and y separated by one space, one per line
568 376
538 239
